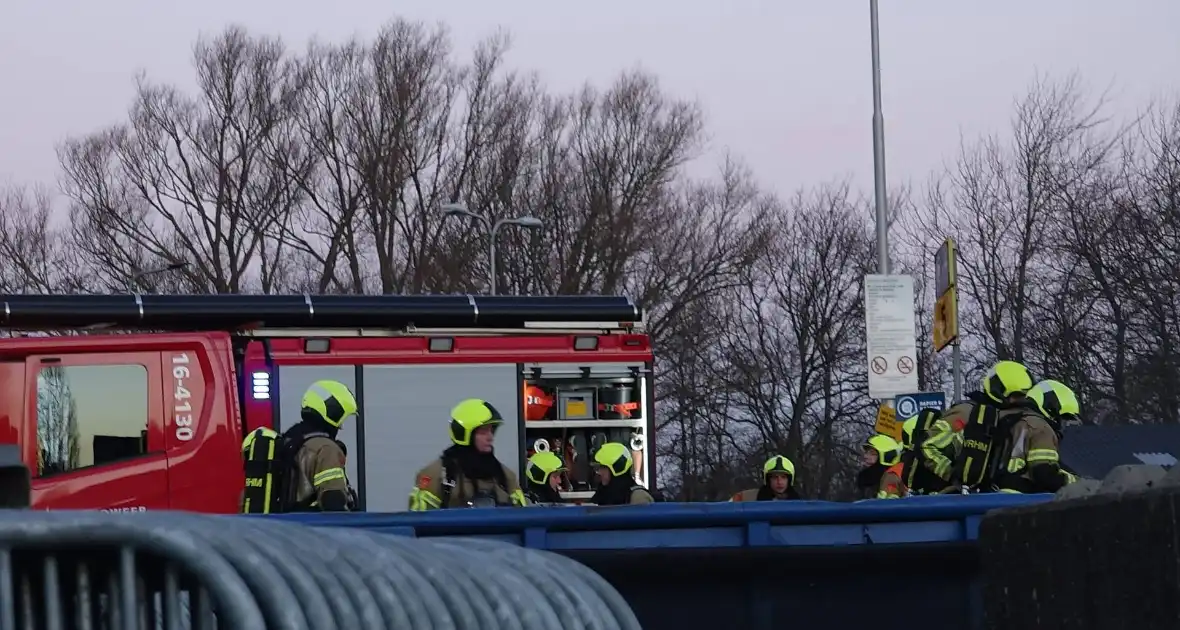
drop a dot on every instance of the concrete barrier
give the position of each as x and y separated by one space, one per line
1172 478
1131 478
1102 561
1078 489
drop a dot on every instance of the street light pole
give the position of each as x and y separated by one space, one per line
879 148
492 254
879 154
528 222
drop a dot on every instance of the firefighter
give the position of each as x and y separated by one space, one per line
778 482
543 472
881 476
916 477
468 474
616 479
319 481
1033 465
353 500
1001 394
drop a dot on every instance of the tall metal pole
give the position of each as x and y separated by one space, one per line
957 370
879 148
492 256
879 155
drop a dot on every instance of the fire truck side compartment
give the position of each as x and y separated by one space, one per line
407 410
294 381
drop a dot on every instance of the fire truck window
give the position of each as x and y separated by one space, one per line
90 415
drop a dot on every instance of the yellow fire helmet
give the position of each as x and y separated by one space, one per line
907 432
1055 400
541 465
888 450
918 424
330 400
614 456
469 415
779 464
1004 379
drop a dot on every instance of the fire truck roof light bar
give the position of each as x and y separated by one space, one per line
354 312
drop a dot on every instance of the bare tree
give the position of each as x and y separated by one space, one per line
58 438
191 179
1002 200
1146 218
793 357
715 235
34 254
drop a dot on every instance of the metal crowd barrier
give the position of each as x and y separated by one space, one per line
123 571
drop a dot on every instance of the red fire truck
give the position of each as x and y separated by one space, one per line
134 402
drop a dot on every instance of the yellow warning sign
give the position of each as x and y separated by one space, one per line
946 320
946 305
887 423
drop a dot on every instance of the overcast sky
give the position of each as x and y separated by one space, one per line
785 84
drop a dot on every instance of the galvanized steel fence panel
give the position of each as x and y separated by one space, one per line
124 571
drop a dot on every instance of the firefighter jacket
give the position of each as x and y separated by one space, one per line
622 490
917 477
320 469
764 494
892 486
1033 465
640 496
438 486
944 440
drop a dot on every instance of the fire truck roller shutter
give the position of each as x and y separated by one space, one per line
294 380
407 411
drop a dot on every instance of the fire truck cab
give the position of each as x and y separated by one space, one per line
144 402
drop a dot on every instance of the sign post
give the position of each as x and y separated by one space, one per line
889 328
946 309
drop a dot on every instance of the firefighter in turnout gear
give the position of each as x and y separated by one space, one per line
616 478
778 482
917 477
1034 462
958 447
543 471
881 476
353 500
302 470
320 481
468 473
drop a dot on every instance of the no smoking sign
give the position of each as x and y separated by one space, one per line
905 365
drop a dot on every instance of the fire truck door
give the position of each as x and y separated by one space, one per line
99 427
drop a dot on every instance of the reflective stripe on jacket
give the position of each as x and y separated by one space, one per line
320 463
1034 463
428 489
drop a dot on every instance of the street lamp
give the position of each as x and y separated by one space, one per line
527 222
879 146
137 278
